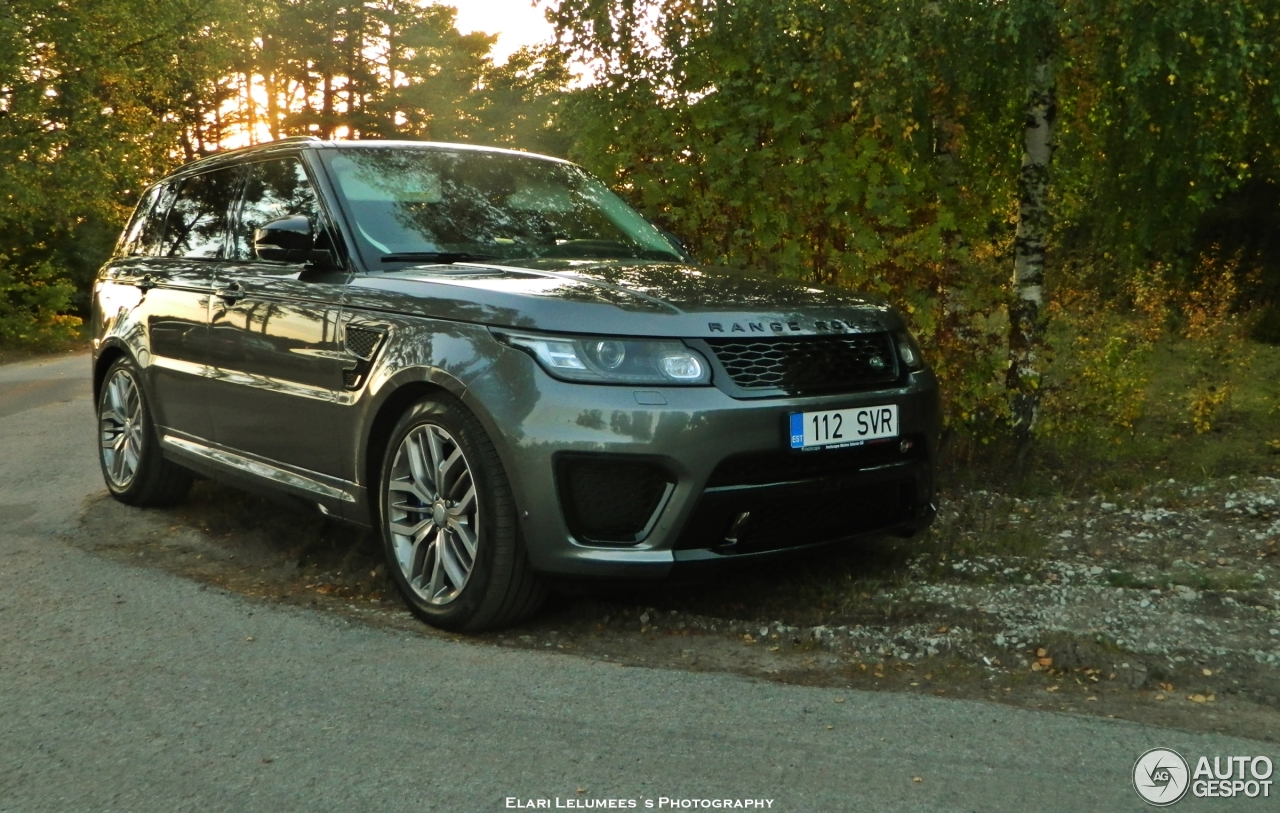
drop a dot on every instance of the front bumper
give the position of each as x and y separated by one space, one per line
722 457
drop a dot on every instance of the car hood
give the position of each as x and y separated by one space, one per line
621 297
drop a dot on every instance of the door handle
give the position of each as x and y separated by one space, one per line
230 294
146 283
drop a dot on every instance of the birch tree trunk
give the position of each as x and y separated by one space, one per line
1026 307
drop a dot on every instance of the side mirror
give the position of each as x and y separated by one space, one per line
285 239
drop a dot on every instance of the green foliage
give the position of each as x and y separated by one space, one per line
33 302
92 103
877 145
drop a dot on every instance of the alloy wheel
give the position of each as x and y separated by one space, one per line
120 428
433 514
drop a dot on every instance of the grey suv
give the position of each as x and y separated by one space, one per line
490 358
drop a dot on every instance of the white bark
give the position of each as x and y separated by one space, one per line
1027 302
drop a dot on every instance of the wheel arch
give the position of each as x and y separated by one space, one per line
393 405
109 355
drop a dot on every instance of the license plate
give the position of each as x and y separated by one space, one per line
843 427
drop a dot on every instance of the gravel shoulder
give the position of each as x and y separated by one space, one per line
1160 606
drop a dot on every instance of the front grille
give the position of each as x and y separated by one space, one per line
812 364
783 518
610 499
784 466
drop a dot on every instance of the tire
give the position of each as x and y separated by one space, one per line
133 465
449 525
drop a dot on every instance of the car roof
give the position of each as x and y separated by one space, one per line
293 143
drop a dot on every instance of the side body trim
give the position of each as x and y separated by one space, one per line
257 468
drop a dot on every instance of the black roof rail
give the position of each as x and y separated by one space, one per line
288 139
217 156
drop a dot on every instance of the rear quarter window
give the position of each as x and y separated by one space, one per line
143 234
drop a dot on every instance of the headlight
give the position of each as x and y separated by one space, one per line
610 360
908 350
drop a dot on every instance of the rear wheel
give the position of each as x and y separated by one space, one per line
136 471
449 523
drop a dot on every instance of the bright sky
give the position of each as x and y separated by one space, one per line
516 22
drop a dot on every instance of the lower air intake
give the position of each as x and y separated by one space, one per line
608 499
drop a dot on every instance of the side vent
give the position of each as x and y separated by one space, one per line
363 343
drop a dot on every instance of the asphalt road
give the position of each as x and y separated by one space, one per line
128 689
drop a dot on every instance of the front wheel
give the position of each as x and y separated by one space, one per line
449 525
135 469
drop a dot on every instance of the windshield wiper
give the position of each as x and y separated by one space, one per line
435 256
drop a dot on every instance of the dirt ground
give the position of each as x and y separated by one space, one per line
1160 606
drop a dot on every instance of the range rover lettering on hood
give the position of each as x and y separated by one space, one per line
821 326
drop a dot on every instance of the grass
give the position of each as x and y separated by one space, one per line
12 353
1242 437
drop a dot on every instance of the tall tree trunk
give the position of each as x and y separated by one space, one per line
250 108
327 108
270 69
1026 307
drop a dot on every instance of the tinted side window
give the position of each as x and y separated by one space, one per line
197 223
143 235
272 189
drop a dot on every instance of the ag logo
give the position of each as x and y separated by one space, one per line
1160 776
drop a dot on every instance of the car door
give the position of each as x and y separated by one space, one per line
176 277
274 333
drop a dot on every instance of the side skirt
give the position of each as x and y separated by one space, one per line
333 497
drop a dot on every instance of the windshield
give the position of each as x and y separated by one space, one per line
421 205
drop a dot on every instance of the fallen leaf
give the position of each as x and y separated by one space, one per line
916 779
839 699
250 638
943 630
1168 687
1051 689
1041 652
582 790
748 638
1091 697
830 727
1036 666
1209 698
774 648
1045 662
1206 672
1197 698
1159 697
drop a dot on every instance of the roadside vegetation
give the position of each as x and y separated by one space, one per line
1075 202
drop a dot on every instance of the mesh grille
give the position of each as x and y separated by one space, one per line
610 500
811 364
362 341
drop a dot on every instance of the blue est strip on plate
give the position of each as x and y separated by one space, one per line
835 428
